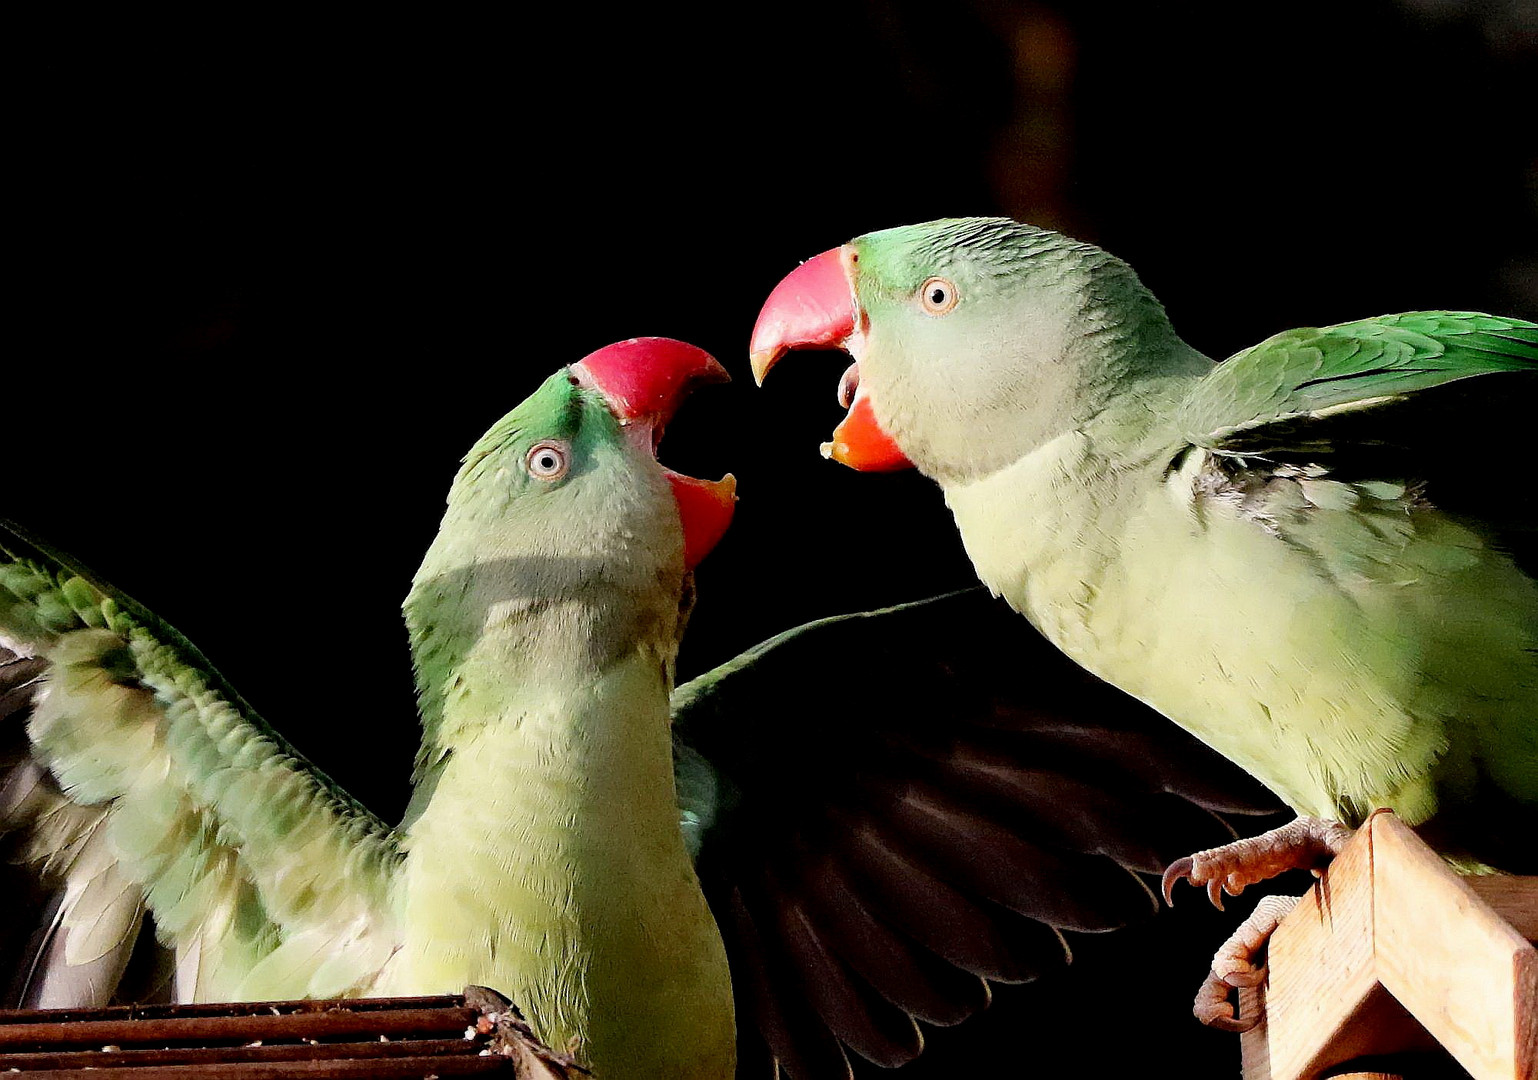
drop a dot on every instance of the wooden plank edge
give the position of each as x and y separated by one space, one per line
398 1069
209 1055
1321 970
324 1025
1512 897
1463 980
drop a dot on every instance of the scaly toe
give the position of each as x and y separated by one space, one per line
1235 966
1236 1025
1214 1009
1235 963
1303 843
1244 978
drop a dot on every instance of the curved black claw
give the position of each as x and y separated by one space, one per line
1185 870
1176 872
1300 844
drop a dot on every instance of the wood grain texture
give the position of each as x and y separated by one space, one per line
475 1033
1392 952
1321 973
1514 899
1455 964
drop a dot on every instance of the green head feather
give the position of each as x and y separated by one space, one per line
560 550
559 411
1037 318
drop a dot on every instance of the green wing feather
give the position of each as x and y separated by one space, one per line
72 925
1372 447
1312 371
263 876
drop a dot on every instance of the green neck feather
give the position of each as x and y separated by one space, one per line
534 584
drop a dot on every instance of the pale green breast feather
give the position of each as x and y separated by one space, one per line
567 803
1246 640
1296 602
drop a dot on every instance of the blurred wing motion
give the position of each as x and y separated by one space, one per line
890 809
132 776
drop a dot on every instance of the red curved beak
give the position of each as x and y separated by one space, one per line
648 378
644 381
816 307
813 308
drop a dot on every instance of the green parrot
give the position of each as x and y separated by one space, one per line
829 862
1311 556
541 853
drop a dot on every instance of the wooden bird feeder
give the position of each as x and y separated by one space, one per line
1393 958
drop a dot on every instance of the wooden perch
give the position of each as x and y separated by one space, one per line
1391 953
473 1034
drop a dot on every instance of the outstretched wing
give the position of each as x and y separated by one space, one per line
1385 413
52 853
134 779
1314 373
891 809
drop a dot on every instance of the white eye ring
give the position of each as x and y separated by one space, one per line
939 296
548 460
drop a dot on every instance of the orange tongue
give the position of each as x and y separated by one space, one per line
705 507
860 443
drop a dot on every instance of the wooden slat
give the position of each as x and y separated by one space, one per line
1514 899
211 1055
476 1033
1455 964
1390 949
403 1069
234 1008
326 1025
1321 971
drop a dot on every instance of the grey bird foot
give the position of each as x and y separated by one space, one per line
1235 965
1303 844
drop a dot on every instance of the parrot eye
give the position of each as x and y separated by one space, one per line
938 296
548 460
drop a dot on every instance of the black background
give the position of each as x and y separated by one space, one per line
272 276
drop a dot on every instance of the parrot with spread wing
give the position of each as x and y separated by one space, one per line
1314 556
541 852
829 863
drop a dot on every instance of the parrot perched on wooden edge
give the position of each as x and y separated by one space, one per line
540 853
1317 556
862 857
